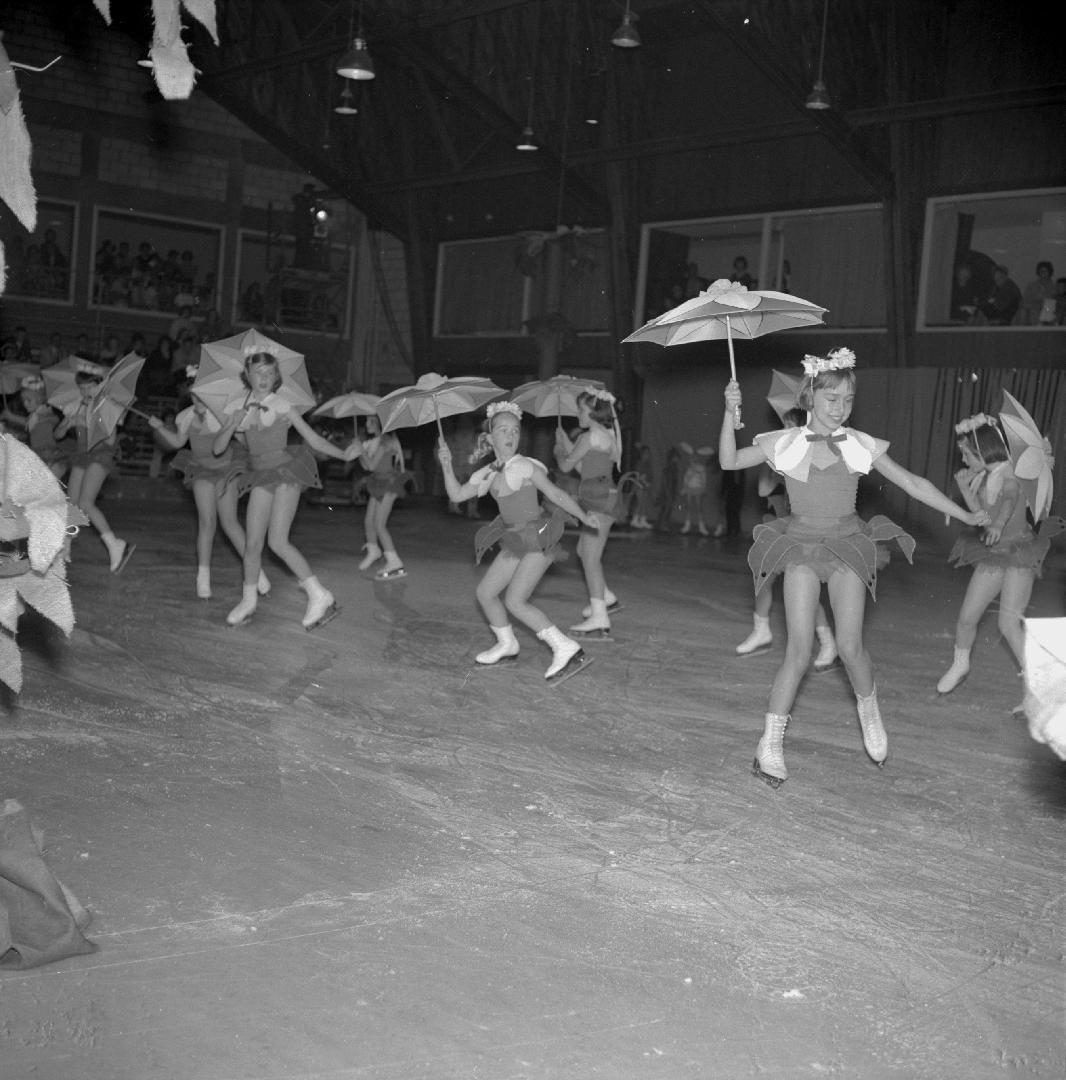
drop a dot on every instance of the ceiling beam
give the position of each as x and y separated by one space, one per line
759 51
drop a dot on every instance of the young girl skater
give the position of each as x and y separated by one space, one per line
596 453
276 475
694 485
382 457
39 423
213 480
771 487
1007 558
89 468
527 536
823 540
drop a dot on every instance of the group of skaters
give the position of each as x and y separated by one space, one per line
809 474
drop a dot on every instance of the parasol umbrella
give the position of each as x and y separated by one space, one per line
113 398
351 404
60 386
1030 454
218 378
784 393
432 397
727 310
556 396
12 372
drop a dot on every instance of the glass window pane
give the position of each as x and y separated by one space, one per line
39 264
994 260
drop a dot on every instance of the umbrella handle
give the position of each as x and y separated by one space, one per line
737 422
436 413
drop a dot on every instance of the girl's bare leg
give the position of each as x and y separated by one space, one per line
90 482
282 511
1014 598
801 589
203 493
527 575
370 531
984 586
590 551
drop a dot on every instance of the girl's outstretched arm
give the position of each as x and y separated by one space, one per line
175 439
917 487
555 494
456 492
729 457
222 439
324 446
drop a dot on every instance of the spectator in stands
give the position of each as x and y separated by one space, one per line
211 329
187 269
965 295
1002 303
123 258
183 324
741 275
252 303
1038 300
84 349
18 347
55 263
157 368
52 353
110 351
695 282
105 258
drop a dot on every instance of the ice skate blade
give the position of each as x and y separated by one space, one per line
768 778
576 664
823 668
505 660
757 651
599 634
327 616
390 575
130 549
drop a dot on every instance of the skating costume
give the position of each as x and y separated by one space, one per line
102 453
523 524
1019 547
199 461
388 476
271 461
597 492
41 434
823 531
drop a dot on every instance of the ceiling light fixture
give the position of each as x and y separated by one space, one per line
626 36
527 141
356 62
345 106
818 98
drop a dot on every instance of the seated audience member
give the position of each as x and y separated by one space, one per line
183 324
965 295
1038 299
1002 303
741 275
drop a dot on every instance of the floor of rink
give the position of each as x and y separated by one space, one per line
356 854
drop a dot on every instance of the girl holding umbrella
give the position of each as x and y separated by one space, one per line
40 424
595 454
276 475
382 457
824 541
527 537
90 465
213 480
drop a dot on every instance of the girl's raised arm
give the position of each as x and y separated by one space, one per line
456 492
729 457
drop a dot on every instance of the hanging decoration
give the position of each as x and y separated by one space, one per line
16 183
35 516
169 55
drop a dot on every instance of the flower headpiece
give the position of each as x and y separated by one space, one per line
835 360
972 423
268 347
503 407
32 382
601 395
192 370
90 367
